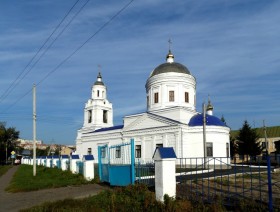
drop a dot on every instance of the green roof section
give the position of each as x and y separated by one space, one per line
272 132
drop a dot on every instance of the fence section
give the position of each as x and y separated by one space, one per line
116 164
213 179
145 173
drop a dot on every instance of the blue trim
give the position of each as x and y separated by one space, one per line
75 157
55 157
64 157
88 157
99 163
49 157
165 152
132 162
109 128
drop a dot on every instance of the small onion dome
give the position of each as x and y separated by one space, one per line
169 57
197 120
170 67
209 106
99 80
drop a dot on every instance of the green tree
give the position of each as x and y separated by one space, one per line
247 141
8 137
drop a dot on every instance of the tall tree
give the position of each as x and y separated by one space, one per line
247 141
8 137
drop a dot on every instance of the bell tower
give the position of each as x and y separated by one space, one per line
98 111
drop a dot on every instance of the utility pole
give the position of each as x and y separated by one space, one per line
204 134
34 130
265 138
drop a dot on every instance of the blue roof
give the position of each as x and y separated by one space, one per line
64 156
88 157
165 152
109 128
197 120
75 157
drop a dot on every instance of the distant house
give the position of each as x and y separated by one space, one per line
67 150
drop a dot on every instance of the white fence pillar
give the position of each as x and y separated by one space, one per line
49 161
64 162
88 162
165 168
73 163
55 161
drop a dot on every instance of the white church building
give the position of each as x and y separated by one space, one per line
170 120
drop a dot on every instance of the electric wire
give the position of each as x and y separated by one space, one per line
74 52
93 35
19 78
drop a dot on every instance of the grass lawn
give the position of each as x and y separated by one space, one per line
130 198
23 180
4 169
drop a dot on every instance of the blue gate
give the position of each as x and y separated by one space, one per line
116 164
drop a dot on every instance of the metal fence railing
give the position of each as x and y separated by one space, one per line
145 173
217 179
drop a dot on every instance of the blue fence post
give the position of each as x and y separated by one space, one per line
132 162
99 163
270 205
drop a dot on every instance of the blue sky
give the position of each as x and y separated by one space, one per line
231 46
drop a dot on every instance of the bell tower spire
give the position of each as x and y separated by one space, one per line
98 112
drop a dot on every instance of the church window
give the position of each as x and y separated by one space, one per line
105 116
89 116
97 93
156 97
118 152
171 96
194 100
186 97
138 151
102 94
209 149
148 101
89 151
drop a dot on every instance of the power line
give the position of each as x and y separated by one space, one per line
20 77
93 35
75 51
